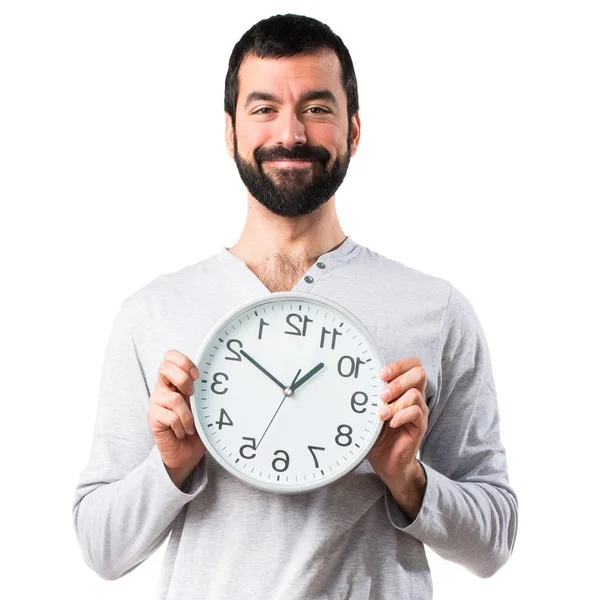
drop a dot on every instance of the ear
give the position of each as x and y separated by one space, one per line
229 134
355 127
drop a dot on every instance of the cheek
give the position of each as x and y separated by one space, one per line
250 138
332 138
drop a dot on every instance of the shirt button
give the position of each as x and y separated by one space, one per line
321 265
308 279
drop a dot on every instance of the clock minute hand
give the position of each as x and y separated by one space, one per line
273 378
306 377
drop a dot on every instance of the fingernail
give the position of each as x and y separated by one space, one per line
194 373
384 373
385 394
384 412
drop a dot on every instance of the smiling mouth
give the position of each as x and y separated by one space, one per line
290 163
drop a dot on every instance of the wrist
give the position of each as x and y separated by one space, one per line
178 475
409 490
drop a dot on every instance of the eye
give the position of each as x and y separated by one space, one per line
262 111
318 110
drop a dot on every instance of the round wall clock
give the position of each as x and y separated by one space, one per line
288 393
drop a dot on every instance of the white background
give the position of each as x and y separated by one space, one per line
479 163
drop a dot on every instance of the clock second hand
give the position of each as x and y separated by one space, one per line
280 404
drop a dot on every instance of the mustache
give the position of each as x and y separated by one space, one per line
297 152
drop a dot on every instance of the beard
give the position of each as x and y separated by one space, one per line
294 191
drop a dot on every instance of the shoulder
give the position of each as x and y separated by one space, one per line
394 277
398 284
167 292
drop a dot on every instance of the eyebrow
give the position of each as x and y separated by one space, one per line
309 96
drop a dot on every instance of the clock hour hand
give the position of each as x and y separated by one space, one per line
245 354
282 401
306 377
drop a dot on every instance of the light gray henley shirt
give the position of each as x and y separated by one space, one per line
348 540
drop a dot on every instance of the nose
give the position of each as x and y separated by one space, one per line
291 130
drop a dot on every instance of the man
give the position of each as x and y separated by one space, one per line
292 124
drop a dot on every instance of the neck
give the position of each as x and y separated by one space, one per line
300 239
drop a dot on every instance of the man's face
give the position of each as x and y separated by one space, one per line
292 142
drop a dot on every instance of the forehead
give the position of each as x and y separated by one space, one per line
294 74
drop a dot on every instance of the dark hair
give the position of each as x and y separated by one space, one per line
287 35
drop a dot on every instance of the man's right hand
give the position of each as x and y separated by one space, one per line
171 419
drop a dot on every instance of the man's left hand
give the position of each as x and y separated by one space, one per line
394 455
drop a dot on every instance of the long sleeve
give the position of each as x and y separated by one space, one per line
469 511
125 502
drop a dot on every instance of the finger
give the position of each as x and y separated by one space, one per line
408 399
182 361
162 419
416 377
173 377
180 406
412 414
398 367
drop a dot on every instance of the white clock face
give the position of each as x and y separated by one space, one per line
288 393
